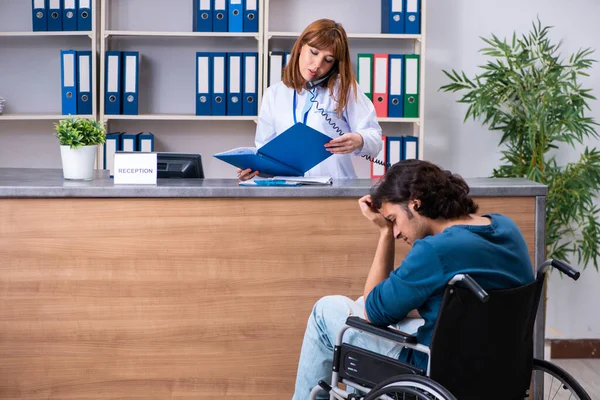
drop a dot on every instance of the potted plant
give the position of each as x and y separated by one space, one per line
78 139
531 95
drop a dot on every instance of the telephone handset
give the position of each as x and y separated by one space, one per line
321 81
312 84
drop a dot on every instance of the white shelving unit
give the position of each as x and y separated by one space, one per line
116 24
36 35
276 34
106 33
49 33
38 117
418 45
182 34
180 117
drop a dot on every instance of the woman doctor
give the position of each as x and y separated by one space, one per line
320 66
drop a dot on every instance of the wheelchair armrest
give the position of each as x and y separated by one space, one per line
385 332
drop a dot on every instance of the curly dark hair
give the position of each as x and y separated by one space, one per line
441 193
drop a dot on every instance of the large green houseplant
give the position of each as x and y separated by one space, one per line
79 138
533 96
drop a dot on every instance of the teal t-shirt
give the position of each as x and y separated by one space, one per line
495 255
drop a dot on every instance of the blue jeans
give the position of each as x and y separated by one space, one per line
327 318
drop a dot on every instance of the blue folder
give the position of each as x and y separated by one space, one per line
203 16
413 17
235 82
393 14
130 82
219 15
55 14
111 146
290 153
68 69
69 15
39 10
84 15
236 16
395 89
251 16
204 81
112 83
84 82
218 104
145 142
129 142
250 72
410 148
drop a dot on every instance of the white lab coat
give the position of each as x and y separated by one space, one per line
359 117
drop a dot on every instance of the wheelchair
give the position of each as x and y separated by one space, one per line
481 349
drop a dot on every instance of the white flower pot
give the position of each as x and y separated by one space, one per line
78 163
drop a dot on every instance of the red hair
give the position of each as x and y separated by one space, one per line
323 34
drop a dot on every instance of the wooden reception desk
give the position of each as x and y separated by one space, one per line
189 289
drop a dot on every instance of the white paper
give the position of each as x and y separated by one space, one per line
219 75
130 74
250 81
69 69
203 82
364 76
396 77
380 75
113 74
234 74
412 72
84 74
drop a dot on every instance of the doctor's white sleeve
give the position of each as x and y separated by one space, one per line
361 117
265 128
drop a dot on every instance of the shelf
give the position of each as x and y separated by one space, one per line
40 117
46 33
181 117
350 35
182 34
406 120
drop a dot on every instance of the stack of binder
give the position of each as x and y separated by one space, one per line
61 15
401 16
225 16
122 141
226 83
76 82
395 148
391 81
399 148
121 82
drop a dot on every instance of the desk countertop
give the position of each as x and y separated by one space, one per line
49 183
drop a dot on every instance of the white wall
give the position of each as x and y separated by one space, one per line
471 150
453 34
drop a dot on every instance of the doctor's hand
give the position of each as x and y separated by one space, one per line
244 175
373 214
346 143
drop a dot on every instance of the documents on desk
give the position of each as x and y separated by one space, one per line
288 181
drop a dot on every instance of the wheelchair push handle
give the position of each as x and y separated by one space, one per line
565 269
470 283
475 288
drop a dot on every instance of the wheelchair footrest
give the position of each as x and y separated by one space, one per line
368 368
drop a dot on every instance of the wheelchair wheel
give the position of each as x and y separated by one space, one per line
409 387
558 384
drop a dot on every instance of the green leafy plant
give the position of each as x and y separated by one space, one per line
78 132
532 96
